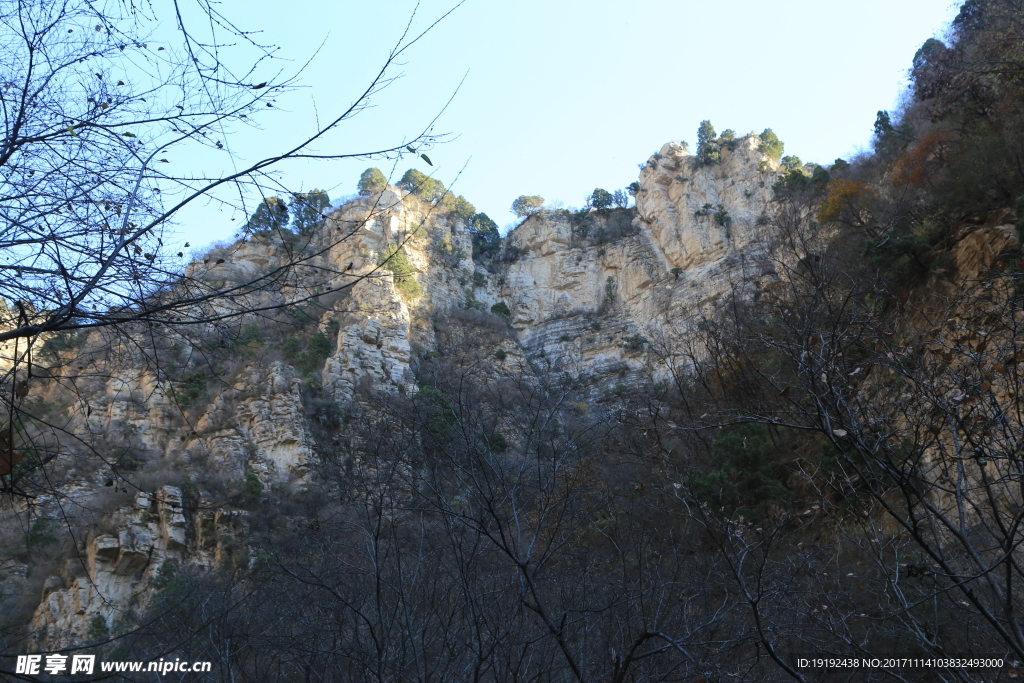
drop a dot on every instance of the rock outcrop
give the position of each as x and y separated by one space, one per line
586 294
119 566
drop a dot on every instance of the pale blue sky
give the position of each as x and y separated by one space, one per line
562 96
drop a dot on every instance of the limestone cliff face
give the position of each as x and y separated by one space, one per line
119 565
697 215
696 236
587 295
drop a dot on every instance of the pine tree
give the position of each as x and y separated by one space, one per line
423 186
271 214
600 199
708 151
372 180
527 205
771 144
486 238
308 210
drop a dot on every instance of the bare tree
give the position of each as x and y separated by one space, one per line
910 401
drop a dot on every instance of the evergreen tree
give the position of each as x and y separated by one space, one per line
771 144
883 125
728 138
459 207
486 238
308 210
271 214
527 205
708 151
791 163
886 135
372 180
423 186
600 199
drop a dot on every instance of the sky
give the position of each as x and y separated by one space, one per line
558 97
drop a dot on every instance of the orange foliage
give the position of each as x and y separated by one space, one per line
841 196
912 169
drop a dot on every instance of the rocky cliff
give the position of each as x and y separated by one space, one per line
586 293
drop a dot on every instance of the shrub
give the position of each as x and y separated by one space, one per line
471 302
728 139
291 348
190 388
794 181
494 442
99 632
59 343
842 200
310 359
502 309
124 460
395 260
723 217
252 488
634 342
513 253
901 254
42 532
439 416
479 279
741 478
610 291
820 176
247 342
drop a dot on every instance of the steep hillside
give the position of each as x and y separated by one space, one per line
182 426
770 412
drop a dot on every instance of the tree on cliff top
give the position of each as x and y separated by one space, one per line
600 199
527 205
271 214
372 180
308 210
708 151
771 144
